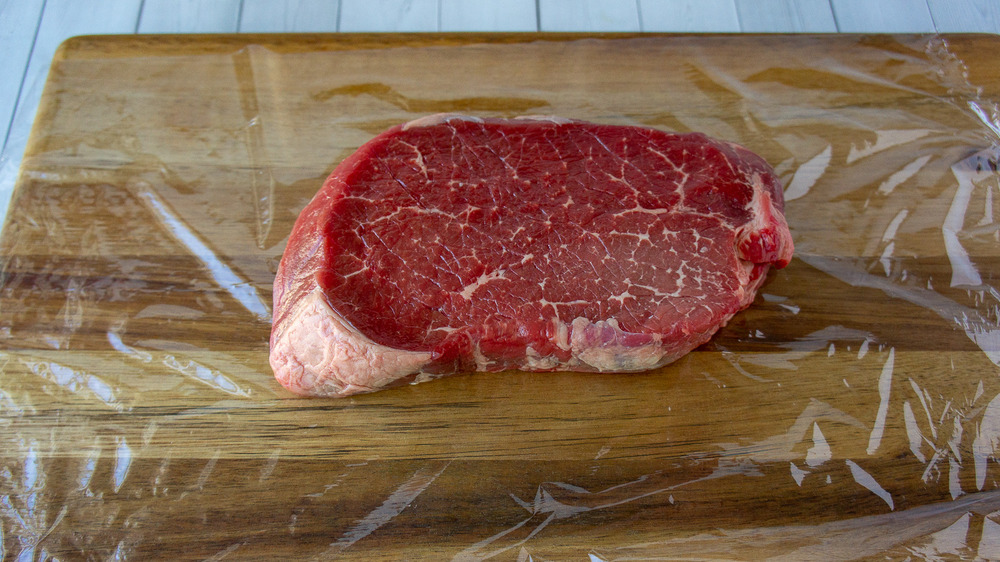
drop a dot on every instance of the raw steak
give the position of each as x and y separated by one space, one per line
454 243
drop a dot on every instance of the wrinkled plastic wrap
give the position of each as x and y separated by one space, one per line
853 411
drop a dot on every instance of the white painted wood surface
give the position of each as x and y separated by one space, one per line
588 15
786 16
15 44
389 15
975 16
489 15
888 16
717 16
289 16
189 16
31 30
59 20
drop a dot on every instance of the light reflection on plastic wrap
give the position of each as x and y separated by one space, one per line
238 287
854 411
71 379
968 172
390 508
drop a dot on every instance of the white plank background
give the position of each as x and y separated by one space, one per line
964 16
489 15
189 16
717 16
389 15
31 30
782 16
891 16
588 15
275 16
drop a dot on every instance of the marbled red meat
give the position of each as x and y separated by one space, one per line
454 243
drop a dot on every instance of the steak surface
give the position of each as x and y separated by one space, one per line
454 243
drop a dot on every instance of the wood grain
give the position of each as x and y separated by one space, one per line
59 20
849 413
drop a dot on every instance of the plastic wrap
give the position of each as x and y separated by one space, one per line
853 411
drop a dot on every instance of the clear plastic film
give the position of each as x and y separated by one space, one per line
853 411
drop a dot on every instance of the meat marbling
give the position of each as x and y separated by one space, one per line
454 243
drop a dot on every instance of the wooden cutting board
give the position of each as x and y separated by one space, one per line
853 411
